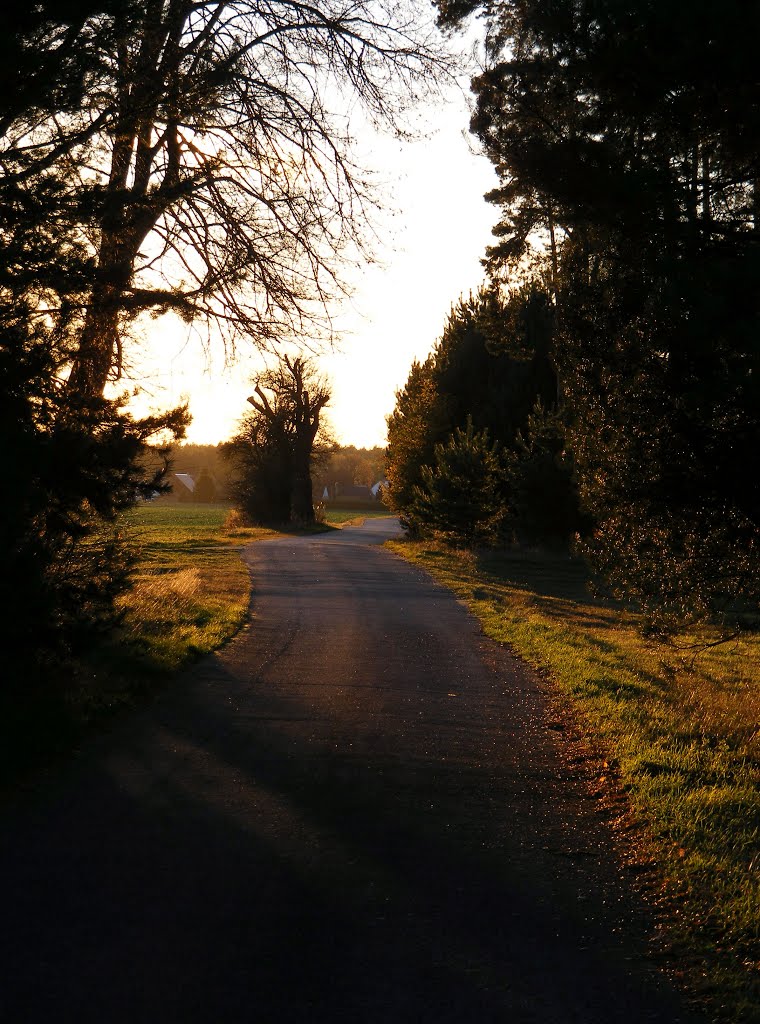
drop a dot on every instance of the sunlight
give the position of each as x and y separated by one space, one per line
432 235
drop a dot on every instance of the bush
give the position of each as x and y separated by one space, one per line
544 494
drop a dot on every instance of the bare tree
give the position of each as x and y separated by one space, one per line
289 402
208 170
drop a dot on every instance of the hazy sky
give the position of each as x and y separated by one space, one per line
430 250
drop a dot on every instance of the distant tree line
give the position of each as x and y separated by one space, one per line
627 145
336 469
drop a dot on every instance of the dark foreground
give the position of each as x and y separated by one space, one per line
354 813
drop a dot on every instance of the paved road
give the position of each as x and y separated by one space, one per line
354 813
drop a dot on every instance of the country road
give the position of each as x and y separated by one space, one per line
355 812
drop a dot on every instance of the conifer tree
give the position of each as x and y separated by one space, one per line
461 497
630 171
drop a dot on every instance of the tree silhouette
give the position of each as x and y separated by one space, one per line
278 442
625 138
75 461
201 162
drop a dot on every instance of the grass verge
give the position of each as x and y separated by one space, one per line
679 728
190 594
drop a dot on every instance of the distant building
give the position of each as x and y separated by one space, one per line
183 486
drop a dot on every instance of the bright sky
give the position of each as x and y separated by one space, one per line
429 250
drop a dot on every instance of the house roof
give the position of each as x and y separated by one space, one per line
186 480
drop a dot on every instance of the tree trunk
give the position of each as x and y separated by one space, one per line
301 501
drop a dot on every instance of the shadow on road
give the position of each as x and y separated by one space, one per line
370 846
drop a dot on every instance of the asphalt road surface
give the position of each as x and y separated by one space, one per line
356 812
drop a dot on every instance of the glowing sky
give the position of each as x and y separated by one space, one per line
430 249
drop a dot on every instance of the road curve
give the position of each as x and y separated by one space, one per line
355 812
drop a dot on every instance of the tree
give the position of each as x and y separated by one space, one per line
414 427
160 155
631 173
349 466
542 487
494 362
198 160
461 496
205 488
73 467
279 441
75 461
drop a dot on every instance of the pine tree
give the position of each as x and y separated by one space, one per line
625 137
461 497
544 503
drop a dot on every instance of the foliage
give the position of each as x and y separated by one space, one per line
414 426
348 466
492 364
272 455
259 460
205 488
461 497
544 505
202 459
75 460
75 464
631 176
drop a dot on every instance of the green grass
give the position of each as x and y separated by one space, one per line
189 595
680 733
336 515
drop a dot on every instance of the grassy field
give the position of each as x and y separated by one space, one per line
336 516
189 595
191 587
679 731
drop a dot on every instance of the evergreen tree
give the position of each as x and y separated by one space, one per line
494 361
632 174
414 427
75 461
74 465
461 496
544 504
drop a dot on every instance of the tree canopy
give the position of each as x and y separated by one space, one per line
485 400
625 138
196 157
279 440
191 156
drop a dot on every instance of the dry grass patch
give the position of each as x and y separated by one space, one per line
191 588
190 594
680 727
